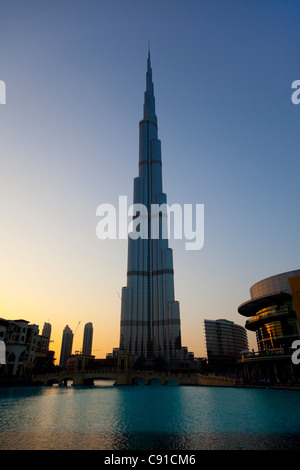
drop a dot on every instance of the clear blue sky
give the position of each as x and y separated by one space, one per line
75 78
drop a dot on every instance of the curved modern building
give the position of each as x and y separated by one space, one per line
225 341
273 314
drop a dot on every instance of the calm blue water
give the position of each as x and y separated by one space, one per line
149 417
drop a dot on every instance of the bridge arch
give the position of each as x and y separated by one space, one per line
64 381
155 381
53 381
90 380
172 382
38 383
138 381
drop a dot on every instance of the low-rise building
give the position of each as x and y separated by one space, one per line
24 348
273 316
225 341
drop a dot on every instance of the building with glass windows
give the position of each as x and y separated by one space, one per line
225 341
273 314
150 317
87 339
66 346
25 349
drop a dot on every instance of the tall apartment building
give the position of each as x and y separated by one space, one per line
66 346
47 330
87 339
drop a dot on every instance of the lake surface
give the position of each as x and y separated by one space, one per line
148 418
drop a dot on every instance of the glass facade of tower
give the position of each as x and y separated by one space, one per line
224 343
150 318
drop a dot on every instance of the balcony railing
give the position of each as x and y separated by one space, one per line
268 315
266 355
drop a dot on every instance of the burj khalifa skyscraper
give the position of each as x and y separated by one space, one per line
150 318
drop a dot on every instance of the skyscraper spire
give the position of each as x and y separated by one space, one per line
150 319
149 100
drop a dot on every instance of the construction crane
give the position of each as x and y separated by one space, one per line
76 352
76 328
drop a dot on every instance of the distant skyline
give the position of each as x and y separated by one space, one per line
75 78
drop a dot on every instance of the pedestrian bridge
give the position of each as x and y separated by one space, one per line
132 377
